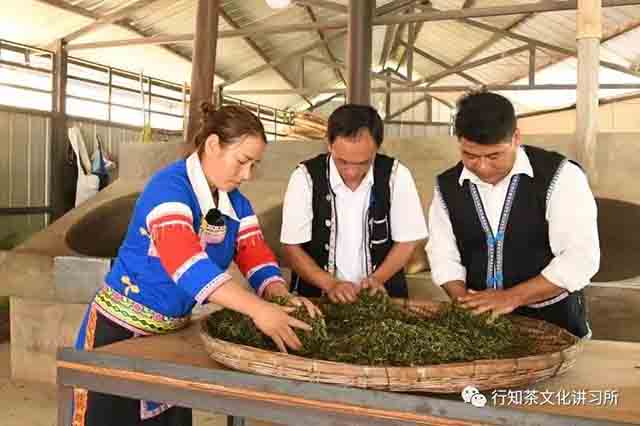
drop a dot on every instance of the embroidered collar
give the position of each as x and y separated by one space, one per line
203 192
522 166
337 182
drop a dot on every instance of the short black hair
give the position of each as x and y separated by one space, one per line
485 118
349 119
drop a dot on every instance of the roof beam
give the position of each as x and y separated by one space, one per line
258 51
547 46
329 5
431 89
389 37
494 39
111 18
485 12
340 65
469 65
386 9
338 24
625 29
62 5
418 26
327 50
287 57
324 101
393 33
442 63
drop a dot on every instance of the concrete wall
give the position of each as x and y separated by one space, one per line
38 329
614 117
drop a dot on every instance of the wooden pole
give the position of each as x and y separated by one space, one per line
589 33
203 63
359 51
62 173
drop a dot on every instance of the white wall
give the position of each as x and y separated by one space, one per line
612 118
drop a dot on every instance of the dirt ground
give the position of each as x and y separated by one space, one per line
34 404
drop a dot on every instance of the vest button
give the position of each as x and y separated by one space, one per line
328 197
326 246
327 223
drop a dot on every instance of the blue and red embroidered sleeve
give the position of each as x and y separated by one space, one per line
170 225
253 256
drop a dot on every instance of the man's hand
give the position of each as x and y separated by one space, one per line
372 284
498 302
343 292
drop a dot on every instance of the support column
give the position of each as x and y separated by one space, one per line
63 185
589 33
203 63
387 98
361 14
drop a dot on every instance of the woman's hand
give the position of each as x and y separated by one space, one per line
279 289
274 321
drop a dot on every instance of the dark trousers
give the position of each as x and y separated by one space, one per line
98 409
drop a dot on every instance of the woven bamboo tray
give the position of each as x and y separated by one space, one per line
557 353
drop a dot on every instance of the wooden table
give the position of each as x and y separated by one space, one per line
175 368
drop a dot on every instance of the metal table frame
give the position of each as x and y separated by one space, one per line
241 395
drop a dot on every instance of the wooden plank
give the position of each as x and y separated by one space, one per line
604 365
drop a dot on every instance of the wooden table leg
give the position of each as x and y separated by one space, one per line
235 421
65 405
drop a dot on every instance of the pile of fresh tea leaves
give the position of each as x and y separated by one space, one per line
374 331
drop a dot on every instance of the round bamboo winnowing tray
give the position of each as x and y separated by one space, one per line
557 351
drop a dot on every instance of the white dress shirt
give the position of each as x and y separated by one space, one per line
571 214
406 215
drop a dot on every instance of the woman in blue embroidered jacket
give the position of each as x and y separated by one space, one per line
188 225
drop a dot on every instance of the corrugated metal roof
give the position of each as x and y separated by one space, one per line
449 41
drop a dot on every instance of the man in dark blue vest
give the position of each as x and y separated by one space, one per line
512 228
351 217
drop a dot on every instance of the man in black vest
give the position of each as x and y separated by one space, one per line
512 228
351 217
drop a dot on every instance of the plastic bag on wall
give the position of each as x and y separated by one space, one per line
101 164
87 184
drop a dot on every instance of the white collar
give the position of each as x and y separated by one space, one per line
522 165
203 191
336 179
